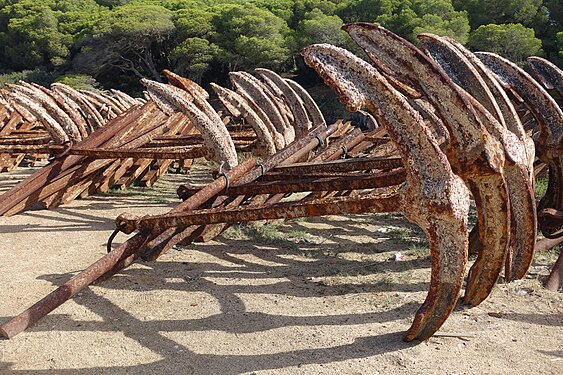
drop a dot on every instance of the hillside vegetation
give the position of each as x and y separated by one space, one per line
112 43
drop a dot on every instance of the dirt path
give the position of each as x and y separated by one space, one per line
321 296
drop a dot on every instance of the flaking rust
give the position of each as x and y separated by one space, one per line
473 152
238 106
441 197
444 133
453 59
549 140
301 120
551 78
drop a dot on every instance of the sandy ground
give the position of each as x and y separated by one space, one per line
315 296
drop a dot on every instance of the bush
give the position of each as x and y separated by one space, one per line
38 76
79 81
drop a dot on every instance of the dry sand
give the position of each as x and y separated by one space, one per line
315 296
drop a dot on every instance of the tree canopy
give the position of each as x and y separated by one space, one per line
249 36
513 41
128 38
117 41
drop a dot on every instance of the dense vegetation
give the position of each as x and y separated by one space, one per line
117 41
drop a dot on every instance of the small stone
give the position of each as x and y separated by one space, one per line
397 257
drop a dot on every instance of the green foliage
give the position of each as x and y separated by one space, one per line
366 10
411 17
31 37
112 3
302 7
118 41
281 8
192 57
548 24
482 12
37 75
317 27
249 37
127 38
79 81
512 41
42 33
192 22
134 21
541 185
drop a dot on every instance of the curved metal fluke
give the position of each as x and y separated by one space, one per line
442 200
185 84
491 194
314 111
251 88
460 70
543 106
237 106
302 122
469 73
474 152
549 117
56 131
547 73
444 285
215 136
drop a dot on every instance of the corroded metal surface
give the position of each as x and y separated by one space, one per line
87 111
14 326
315 113
516 171
473 152
90 112
215 136
442 199
302 122
547 73
540 103
287 210
70 128
551 77
238 106
71 171
55 130
549 118
443 127
246 85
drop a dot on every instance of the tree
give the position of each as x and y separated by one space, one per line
112 3
482 12
548 23
41 33
130 38
281 8
249 37
302 7
79 81
365 10
37 75
317 27
409 17
193 57
194 22
512 41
